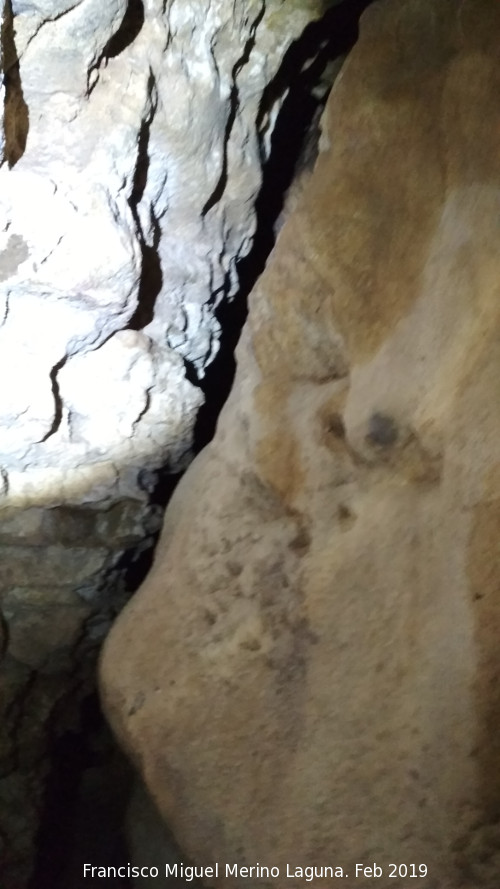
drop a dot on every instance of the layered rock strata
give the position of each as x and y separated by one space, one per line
309 675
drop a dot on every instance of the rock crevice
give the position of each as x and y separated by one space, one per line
115 266
314 647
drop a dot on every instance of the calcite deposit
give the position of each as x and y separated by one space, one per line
132 135
309 674
132 159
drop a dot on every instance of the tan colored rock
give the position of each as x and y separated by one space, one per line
310 673
133 141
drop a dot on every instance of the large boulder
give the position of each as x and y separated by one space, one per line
309 675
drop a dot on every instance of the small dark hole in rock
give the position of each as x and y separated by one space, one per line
336 426
346 516
382 430
210 617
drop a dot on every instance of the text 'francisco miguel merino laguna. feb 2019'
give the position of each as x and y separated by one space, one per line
257 871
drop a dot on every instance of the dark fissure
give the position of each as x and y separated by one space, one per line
16 114
307 73
89 781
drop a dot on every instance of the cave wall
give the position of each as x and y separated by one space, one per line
133 136
126 203
309 674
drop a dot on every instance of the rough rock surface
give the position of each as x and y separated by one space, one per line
132 158
61 584
132 139
310 672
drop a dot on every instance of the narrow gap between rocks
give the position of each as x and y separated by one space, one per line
151 275
58 405
90 782
308 71
16 112
219 189
130 27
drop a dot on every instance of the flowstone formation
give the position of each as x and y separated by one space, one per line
133 139
309 674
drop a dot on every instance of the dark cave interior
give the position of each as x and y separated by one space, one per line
89 780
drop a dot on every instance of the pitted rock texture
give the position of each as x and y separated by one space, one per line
309 673
132 160
133 135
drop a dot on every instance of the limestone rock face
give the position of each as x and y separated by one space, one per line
133 135
310 672
132 158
